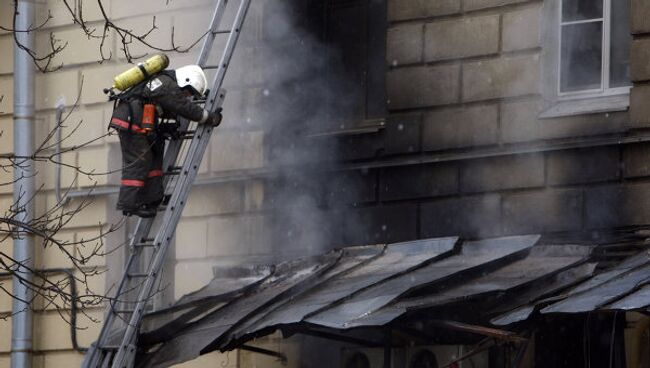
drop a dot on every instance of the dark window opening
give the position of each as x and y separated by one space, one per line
353 36
355 29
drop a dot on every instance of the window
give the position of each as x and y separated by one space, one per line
591 57
353 37
594 46
356 32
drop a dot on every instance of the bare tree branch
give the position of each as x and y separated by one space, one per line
48 226
126 36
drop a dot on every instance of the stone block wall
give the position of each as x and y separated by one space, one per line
217 218
640 57
84 131
464 81
225 221
462 77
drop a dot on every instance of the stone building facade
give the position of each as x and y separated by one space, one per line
358 122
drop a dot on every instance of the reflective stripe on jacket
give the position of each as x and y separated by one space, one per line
161 90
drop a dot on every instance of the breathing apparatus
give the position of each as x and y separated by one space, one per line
138 73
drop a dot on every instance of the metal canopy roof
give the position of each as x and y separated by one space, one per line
364 287
622 288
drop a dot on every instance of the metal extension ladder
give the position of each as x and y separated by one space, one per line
116 346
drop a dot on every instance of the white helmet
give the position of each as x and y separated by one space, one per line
192 76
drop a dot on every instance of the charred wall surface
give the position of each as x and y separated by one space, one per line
467 150
455 136
354 122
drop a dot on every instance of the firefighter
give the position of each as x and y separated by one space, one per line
137 117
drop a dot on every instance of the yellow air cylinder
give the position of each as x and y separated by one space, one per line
140 72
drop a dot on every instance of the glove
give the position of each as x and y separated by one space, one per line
214 118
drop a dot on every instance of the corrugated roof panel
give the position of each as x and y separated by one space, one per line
228 280
352 311
190 341
637 300
398 258
522 304
542 261
621 281
362 286
630 263
229 284
520 314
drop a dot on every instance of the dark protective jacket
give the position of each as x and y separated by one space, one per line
142 153
162 91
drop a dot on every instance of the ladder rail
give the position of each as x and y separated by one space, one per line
94 353
206 47
230 48
99 353
182 188
143 228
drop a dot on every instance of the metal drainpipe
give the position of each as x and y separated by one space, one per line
22 320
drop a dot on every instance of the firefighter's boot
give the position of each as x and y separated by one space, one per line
142 211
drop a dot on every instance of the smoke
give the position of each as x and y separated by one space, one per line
284 84
305 90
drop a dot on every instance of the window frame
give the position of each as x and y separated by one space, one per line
560 104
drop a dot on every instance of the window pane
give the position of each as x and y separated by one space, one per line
581 64
620 45
581 9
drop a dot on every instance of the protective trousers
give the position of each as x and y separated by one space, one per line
142 175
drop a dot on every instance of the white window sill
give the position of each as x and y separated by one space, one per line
592 105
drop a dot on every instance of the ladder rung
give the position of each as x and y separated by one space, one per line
109 347
109 354
174 170
134 275
144 245
147 307
165 201
120 344
187 135
128 311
